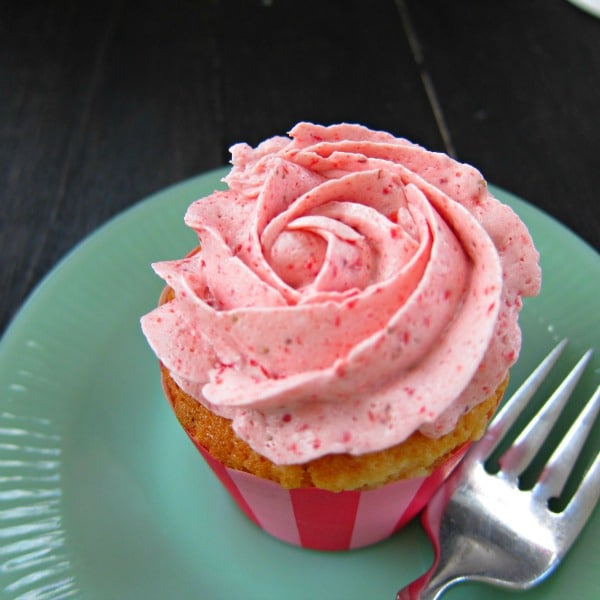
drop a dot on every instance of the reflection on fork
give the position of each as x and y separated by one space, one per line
483 526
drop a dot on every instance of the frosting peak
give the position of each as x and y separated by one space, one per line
351 288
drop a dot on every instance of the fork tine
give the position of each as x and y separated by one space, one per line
514 406
581 506
556 472
518 457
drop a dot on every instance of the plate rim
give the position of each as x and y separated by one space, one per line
19 323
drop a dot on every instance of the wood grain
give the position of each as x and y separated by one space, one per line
101 106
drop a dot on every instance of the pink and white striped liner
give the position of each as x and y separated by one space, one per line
323 520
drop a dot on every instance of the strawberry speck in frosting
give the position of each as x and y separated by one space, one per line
351 288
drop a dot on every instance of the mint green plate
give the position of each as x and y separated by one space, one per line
103 496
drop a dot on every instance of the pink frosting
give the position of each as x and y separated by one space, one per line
351 288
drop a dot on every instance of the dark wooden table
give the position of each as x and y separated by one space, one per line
101 106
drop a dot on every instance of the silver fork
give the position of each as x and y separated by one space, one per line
483 527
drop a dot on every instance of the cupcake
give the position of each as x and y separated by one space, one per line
344 329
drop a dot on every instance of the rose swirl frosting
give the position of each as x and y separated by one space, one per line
351 288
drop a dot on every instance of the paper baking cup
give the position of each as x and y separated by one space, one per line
324 520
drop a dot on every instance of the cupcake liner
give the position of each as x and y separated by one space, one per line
324 520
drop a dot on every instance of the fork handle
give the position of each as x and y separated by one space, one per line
432 584
426 587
